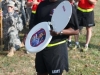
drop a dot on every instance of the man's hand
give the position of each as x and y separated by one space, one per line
93 1
53 33
35 2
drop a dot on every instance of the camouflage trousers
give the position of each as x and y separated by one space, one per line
12 40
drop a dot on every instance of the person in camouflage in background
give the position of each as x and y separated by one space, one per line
20 4
12 24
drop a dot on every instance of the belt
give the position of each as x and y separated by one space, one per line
34 12
85 10
55 44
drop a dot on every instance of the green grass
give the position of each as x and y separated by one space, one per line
80 63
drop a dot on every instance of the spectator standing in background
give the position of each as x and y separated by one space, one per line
85 12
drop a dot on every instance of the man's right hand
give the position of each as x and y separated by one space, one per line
53 33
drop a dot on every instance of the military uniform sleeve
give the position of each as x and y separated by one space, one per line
19 24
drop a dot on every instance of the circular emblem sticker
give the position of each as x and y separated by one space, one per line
38 38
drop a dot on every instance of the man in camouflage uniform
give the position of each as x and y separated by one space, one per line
20 4
12 24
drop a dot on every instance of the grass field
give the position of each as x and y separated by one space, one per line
80 63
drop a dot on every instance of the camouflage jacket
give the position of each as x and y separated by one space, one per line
11 22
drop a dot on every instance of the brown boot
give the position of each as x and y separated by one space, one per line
11 52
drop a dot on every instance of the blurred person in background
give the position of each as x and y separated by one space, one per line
85 12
